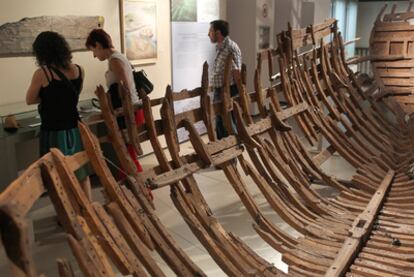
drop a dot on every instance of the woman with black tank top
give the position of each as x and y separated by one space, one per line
56 86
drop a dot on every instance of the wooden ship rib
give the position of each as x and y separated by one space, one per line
392 58
365 229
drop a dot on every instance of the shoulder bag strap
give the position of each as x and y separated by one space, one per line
65 80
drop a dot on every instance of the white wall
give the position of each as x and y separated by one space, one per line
285 11
241 15
16 72
322 10
367 13
223 9
294 12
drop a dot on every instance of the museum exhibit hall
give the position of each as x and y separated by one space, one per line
207 138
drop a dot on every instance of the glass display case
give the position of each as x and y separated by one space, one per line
20 148
27 117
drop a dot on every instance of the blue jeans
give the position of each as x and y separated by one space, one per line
221 130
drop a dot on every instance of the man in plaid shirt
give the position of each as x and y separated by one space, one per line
218 33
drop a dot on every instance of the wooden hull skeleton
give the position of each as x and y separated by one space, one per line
76 214
353 114
400 173
365 230
202 155
311 263
241 256
174 256
233 256
232 250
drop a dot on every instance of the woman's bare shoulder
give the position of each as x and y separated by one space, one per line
38 72
39 76
116 65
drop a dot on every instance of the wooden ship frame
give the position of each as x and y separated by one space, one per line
392 58
365 230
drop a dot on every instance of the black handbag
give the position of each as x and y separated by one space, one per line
142 82
114 94
116 103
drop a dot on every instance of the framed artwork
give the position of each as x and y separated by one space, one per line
139 30
183 10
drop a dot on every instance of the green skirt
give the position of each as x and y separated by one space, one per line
68 142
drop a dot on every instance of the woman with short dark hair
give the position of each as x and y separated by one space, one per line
119 68
56 86
119 71
99 36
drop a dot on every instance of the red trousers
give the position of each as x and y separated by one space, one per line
139 120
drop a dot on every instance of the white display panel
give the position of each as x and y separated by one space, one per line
191 47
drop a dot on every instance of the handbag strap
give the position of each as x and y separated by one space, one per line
65 79
133 69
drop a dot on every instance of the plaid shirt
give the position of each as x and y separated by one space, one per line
227 47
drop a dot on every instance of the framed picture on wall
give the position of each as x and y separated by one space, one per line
184 10
139 30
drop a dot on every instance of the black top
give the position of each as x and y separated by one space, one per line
58 103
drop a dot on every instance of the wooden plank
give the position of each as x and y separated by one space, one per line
64 268
405 99
136 245
97 226
77 160
25 190
129 117
185 94
118 143
166 246
93 250
360 231
135 266
86 264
